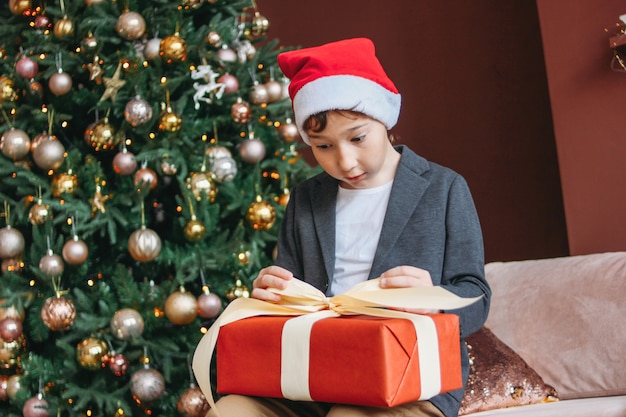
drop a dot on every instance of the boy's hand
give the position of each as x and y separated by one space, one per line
270 277
407 276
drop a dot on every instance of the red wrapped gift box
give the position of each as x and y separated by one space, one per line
361 360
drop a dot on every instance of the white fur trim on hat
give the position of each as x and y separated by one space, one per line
346 92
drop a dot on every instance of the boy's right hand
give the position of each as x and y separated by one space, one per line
270 277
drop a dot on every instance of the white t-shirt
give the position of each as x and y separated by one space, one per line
359 220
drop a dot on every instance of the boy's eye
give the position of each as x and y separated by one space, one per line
323 146
358 138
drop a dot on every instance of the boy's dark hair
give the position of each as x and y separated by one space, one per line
318 121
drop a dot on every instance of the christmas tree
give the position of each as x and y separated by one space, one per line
147 155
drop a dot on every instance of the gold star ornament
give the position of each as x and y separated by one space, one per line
98 200
113 85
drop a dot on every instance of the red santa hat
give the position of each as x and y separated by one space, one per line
343 75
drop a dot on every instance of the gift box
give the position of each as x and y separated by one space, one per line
353 359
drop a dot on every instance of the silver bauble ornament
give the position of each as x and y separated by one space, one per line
274 90
15 144
288 131
130 25
224 169
51 264
126 324
259 94
11 242
225 54
137 111
151 49
49 153
147 385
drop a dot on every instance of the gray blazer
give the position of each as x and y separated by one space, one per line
431 223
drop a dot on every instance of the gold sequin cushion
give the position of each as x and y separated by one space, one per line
499 377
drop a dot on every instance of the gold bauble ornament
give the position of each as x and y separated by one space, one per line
202 186
238 291
259 26
130 25
64 183
173 49
181 307
288 131
169 120
92 353
10 352
58 313
126 324
261 215
101 136
14 384
194 230
64 28
18 7
144 244
10 311
213 38
7 90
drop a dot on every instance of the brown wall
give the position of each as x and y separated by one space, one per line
475 98
588 112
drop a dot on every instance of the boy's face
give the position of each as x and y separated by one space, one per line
355 150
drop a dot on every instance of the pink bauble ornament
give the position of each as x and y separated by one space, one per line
118 364
49 153
26 67
75 251
15 144
192 403
252 150
226 54
42 22
10 329
209 305
130 25
60 83
147 385
231 83
35 407
124 163
11 242
51 264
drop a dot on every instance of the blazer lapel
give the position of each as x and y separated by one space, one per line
408 188
324 217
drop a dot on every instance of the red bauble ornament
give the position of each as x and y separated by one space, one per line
118 364
26 67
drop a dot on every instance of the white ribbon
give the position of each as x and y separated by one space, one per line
300 299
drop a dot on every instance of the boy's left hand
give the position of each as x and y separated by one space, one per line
407 276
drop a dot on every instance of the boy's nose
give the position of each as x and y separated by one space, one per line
345 159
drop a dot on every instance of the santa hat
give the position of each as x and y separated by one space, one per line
343 75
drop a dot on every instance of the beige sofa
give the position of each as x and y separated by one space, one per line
560 333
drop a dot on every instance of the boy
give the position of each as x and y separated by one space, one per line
376 211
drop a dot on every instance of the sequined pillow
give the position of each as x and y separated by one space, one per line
499 377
